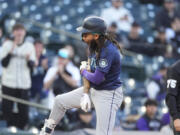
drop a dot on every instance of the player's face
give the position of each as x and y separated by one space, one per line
19 35
88 37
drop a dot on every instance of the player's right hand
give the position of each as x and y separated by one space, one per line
177 124
85 102
83 65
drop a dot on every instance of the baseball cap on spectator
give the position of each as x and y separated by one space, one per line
63 53
150 102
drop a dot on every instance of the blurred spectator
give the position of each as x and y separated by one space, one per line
156 2
1 36
85 120
74 59
165 16
134 40
118 14
18 58
0 68
64 76
149 122
70 51
1 33
161 36
113 29
162 47
165 119
134 34
156 86
39 71
176 35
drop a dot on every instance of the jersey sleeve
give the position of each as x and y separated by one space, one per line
172 82
105 61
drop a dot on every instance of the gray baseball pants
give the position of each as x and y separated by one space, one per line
106 104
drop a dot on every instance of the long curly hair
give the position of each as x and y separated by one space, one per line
96 47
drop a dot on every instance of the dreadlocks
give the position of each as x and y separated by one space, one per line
96 47
111 37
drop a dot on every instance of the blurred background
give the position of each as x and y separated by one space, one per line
147 30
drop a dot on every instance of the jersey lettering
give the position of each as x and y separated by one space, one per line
93 63
171 83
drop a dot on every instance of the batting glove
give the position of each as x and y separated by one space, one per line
85 102
83 65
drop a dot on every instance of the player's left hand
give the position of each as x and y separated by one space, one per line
85 102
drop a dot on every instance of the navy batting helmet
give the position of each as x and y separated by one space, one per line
93 24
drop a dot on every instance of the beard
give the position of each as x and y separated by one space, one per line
93 46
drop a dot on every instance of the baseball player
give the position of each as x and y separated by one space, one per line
105 86
173 95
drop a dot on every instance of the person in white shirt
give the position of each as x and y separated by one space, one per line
64 76
118 14
18 59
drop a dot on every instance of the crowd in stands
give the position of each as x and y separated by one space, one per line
167 23
27 72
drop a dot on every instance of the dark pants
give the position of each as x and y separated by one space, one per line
20 118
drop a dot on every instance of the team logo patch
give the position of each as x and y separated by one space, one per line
103 63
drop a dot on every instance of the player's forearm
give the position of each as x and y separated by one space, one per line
86 84
96 77
171 103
